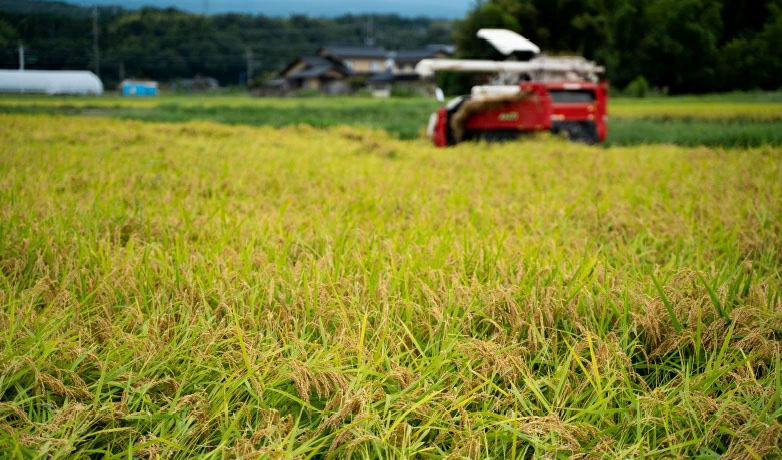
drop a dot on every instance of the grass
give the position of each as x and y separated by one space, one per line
201 289
732 120
692 132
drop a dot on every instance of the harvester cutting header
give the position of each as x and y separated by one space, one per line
559 94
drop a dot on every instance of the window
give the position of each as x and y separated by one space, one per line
571 96
349 64
375 66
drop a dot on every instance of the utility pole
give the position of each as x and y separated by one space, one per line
369 39
95 49
248 55
21 56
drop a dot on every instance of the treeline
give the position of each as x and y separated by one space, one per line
168 44
684 46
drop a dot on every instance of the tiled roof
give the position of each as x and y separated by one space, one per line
388 77
315 60
315 65
415 55
314 71
355 52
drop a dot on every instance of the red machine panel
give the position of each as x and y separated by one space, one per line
530 113
580 102
440 134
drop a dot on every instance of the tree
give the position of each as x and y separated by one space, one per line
485 15
7 35
168 44
754 60
684 45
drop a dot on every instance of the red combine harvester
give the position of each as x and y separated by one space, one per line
558 94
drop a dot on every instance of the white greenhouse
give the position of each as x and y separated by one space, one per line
50 82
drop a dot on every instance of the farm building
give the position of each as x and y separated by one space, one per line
361 60
196 84
322 73
401 73
342 69
382 84
404 61
138 88
74 82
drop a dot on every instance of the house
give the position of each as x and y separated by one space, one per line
320 73
380 85
343 69
404 61
198 83
361 60
402 75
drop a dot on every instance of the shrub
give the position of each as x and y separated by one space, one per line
639 87
403 91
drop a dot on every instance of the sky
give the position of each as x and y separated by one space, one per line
433 8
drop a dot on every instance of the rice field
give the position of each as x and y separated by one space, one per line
179 290
761 106
731 120
758 107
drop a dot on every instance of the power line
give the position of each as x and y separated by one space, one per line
95 49
249 57
21 56
369 39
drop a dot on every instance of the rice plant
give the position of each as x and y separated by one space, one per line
200 289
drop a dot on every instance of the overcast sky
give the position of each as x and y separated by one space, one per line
432 8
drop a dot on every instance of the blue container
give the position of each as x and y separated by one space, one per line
139 88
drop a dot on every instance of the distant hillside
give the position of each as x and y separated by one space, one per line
38 7
166 44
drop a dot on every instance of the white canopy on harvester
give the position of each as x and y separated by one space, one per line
539 68
507 41
76 82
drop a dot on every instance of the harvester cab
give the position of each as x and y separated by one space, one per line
563 95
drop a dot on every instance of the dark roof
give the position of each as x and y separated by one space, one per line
316 71
193 81
423 53
322 63
448 49
416 55
354 52
316 60
388 77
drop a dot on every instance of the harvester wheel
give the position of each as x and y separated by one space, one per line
578 131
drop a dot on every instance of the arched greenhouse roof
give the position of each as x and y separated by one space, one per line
50 82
